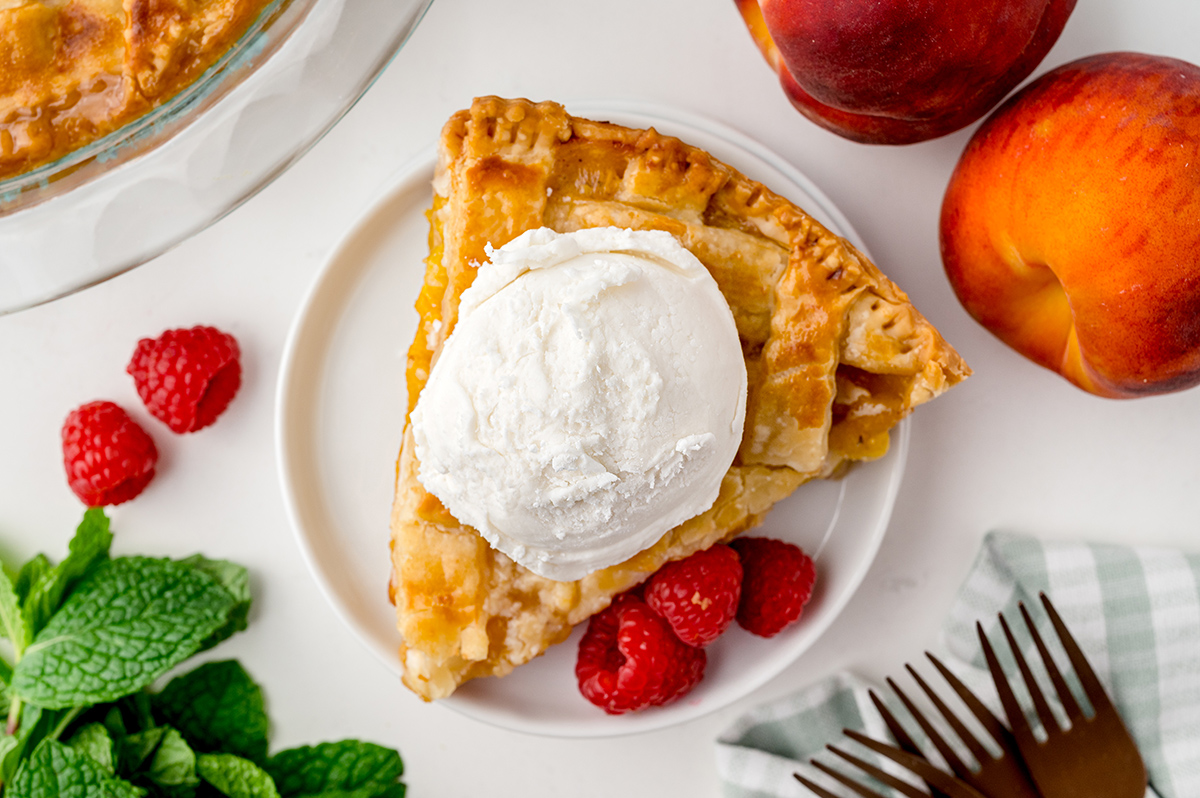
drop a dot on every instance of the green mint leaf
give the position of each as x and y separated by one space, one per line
13 747
174 763
218 707
12 622
136 748
137 711
235 579
56 771
8 744
115 724
33 727
5 696
94 741
127 623
348 767
30 573
88 547
235 777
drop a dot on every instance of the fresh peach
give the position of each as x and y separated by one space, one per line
901 71
1071 225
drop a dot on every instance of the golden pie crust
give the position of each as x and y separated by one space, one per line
835 353
72 71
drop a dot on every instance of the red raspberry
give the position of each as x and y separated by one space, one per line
778 582
629 659
108 457
698 596
187 378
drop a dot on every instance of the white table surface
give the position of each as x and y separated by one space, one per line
1014 448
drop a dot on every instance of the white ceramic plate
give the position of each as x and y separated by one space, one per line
341 402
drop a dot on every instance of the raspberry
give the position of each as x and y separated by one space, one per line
186 378
698 596
108 457
777 583
629 659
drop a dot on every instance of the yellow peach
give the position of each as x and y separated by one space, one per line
1071 224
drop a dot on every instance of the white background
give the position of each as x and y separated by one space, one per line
1014 448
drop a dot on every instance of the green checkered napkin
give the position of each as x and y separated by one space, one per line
1134 612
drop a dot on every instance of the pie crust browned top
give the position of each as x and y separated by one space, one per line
835 353
72 71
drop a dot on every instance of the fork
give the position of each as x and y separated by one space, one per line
1004 775
941 782
1095 757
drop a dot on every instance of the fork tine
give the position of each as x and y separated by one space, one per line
999 732
1017 722
1092 687
842 778
898 731
922 768
876 773
819 790
960 729
1035 692
1070 705
938 741
906 743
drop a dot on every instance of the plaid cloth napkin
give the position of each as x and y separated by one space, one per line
1135 612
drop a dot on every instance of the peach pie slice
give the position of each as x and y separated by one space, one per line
835 355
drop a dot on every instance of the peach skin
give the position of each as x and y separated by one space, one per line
901 71
1071 224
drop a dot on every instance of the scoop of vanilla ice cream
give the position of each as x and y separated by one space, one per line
590 398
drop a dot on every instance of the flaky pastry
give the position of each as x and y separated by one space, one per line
835 353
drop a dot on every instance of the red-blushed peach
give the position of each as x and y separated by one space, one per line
1071 224
901 71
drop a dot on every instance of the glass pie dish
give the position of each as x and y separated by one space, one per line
121 200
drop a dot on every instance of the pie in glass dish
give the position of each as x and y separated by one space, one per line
73 71
835 357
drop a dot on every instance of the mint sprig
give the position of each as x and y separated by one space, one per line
89 638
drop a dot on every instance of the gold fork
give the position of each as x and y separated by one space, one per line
1095 757
1002 775
940 782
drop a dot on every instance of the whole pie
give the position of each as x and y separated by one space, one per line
72 71
835 356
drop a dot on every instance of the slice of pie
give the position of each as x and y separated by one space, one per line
835 354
